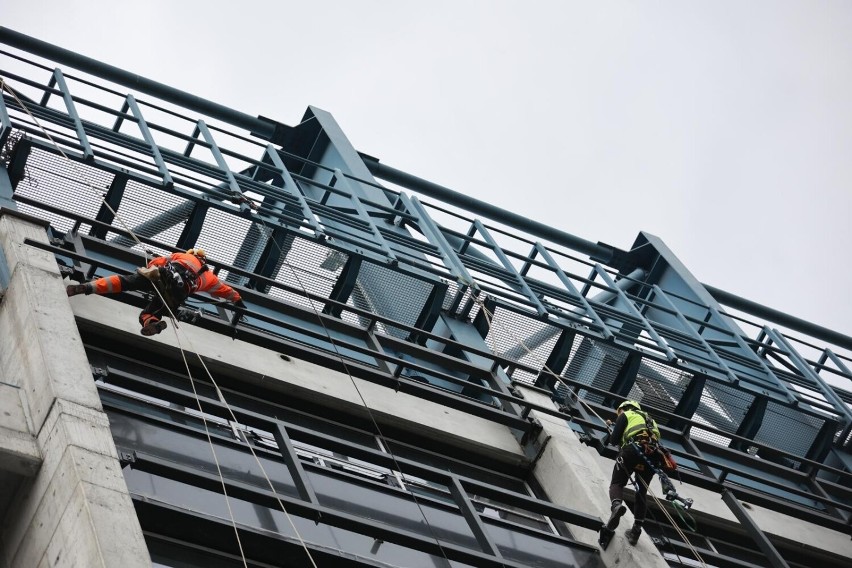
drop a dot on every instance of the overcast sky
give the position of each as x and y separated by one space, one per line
724 128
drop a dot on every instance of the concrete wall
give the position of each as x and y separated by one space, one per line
75 510
567 464
309 381
574 475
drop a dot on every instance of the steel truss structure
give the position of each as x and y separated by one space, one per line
419 296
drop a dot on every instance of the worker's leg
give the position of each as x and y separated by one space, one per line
620 477
640 507
110 285
151 317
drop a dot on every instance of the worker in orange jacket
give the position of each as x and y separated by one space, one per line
172 278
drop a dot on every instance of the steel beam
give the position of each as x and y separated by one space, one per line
802 366
631 308
72 112
134 81
744 350
589 312
363 215
149 139
294 464
236 191
759 537
433 233
5 121
110 204
599 251
192 229
501 256
289 186
556 361
344 285
659 293
472 517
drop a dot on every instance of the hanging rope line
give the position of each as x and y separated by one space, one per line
489 316
5 87
84 177
342 361
220 395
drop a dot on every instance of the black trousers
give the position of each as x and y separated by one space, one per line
628 461
156 308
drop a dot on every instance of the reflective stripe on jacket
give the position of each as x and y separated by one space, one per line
637 424
206 281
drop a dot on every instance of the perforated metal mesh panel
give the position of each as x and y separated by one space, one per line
222 236
161 215
596 364
391 294
308 266
659 385
721 407
788 429
49 178
521 339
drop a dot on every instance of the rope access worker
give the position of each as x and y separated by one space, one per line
175 277
638 435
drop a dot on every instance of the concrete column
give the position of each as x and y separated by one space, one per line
75 510
576 476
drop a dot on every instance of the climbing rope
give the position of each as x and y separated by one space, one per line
4 86
342 360
489 316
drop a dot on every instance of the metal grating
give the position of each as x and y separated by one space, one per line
379 290
156 210
51 179
659 385
596 364
521 339
222 235
788 429
721 407
307 266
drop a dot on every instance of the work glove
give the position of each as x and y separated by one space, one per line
240 304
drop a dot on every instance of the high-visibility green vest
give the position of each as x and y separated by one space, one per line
637 422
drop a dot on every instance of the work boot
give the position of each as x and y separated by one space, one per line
617 509
74 289
633 534
153 328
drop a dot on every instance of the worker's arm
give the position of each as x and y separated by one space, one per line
614 437
208 282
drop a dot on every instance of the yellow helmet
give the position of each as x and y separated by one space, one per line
629 404
199 252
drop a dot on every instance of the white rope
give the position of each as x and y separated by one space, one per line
340 357
490 319
4 86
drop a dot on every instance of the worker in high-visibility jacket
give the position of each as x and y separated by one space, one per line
636 434
173 277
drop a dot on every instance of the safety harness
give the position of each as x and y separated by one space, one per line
657 457
174 281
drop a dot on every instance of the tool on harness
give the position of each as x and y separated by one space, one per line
189 315
647 448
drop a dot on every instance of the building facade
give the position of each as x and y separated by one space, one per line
418 379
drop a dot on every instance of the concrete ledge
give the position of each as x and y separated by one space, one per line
41 351
572 475
79 452
19 452
307 381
